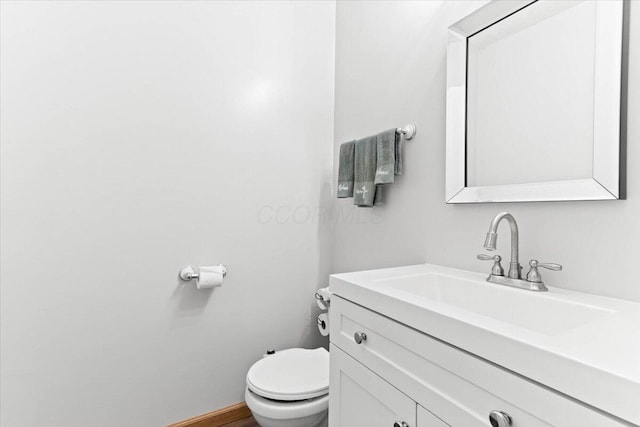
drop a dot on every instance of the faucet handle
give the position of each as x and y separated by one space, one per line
534 275
497 269
547 265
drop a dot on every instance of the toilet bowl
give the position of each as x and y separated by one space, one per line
290 388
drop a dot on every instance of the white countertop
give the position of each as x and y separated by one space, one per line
592 354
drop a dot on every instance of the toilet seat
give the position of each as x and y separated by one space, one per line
278 410
290 375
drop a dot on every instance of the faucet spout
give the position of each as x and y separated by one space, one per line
491 241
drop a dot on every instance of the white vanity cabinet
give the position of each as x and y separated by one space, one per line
390 374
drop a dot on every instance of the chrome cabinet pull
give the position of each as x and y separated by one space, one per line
360 337
499 419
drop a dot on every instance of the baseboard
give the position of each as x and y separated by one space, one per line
217 418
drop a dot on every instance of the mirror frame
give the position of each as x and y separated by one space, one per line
609 144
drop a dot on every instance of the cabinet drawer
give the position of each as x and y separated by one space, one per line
457 387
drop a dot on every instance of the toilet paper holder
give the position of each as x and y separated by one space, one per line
190 273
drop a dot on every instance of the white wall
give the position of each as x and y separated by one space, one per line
390 70
138 138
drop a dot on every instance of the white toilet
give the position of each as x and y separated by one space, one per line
290 388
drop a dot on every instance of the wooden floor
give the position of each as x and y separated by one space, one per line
246 422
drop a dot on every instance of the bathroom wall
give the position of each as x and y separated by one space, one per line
138 138
390 70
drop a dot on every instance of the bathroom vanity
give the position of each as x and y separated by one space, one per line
431 346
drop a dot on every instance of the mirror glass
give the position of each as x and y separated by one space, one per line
536 88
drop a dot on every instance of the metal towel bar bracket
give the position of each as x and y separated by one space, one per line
408 131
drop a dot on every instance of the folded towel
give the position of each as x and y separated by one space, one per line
365 162
386 156
345 170
398 157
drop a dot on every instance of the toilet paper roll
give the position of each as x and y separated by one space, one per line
321 304
323 296
210 276
323 324
325 293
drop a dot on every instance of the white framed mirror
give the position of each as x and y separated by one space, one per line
536 102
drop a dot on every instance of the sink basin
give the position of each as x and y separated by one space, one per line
582 345
543 313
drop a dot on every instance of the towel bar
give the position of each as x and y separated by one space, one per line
409 131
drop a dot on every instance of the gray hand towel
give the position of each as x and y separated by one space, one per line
398 148
378 199
365 171
386 156
345 170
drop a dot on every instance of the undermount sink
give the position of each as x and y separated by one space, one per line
544 313
566 340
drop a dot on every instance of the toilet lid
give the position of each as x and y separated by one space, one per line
292 374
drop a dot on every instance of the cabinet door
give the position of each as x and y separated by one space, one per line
358 397
427 419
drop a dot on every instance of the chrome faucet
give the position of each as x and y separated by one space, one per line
533 281
490 244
